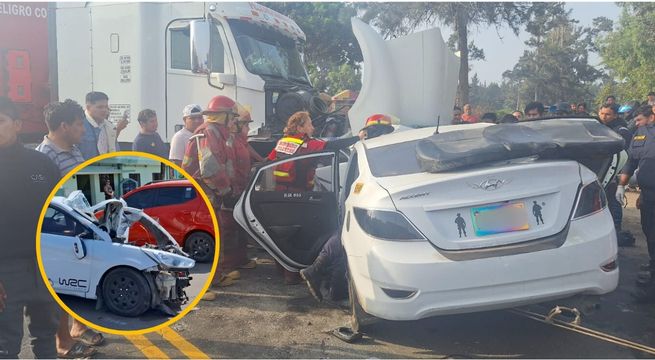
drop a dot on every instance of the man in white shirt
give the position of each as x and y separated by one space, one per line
192 116
100 134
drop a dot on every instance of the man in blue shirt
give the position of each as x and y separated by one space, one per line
642 157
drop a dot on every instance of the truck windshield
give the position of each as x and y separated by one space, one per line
268 52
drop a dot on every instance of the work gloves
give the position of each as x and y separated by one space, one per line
620 194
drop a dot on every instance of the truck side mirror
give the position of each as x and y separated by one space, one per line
78 248
199 32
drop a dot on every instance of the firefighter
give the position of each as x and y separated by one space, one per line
376 125
298 175
242 134
210 157
297 140
244 159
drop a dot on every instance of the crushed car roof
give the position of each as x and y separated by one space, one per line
578 139
397 137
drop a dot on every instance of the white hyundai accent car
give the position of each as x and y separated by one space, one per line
474 218
90 258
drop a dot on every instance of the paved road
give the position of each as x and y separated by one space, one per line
86 308
261 317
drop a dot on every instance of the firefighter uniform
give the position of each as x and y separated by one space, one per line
27 177
295 175
242 169
210 157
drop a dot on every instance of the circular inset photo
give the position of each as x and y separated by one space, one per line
127 242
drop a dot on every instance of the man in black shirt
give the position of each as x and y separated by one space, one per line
642 157
27 177
148 140
609 115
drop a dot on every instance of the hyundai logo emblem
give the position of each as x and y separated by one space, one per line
490 184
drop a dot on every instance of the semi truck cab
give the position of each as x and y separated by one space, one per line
164 56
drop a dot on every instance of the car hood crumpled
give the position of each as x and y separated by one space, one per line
412 78
117 218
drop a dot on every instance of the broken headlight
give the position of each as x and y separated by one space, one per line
170 261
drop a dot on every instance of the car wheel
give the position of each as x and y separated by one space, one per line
359 319
200 246
126 292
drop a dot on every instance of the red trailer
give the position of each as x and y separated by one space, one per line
25 75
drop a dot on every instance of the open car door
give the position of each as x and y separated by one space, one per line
292 223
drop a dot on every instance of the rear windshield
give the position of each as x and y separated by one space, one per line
394 159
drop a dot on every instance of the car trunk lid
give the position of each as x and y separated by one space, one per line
518 201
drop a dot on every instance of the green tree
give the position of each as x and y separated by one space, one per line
488 98
401 18
337 78
555 67
330 41
628 53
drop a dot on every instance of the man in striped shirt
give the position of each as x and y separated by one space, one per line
65 121
65 130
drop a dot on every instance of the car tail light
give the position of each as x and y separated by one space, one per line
592 199
388 225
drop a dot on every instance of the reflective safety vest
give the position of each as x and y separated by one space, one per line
295 175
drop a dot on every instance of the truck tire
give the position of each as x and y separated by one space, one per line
126 292
200 246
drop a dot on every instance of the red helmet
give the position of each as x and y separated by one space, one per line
221 104
378 119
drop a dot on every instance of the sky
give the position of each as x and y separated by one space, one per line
502 54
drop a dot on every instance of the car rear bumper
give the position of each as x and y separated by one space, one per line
425 283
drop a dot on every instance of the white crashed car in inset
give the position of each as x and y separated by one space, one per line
91 258
474 218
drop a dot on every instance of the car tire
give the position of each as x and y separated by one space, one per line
359 319
200 246
126 292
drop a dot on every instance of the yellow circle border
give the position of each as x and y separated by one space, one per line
199 190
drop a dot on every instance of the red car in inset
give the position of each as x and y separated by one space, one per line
179 208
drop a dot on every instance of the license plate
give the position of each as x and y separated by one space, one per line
500 218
